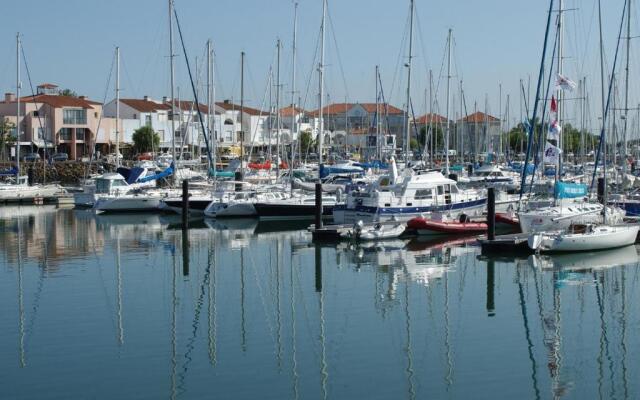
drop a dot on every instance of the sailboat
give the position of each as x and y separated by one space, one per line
19 188
588 237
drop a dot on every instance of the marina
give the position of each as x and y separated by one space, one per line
253 228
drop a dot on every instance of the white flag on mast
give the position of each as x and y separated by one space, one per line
565 83
551 153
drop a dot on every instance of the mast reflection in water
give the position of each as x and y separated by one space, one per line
99 306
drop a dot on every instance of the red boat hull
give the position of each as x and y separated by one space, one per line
425 226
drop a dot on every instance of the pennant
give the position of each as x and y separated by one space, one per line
565 83
554 131
552 153
554 105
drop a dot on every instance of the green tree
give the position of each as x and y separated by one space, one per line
426 137
6 139
306 141
67 92
145 139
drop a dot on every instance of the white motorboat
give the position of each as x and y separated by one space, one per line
407 196
587 237
241 204
376 231
21 190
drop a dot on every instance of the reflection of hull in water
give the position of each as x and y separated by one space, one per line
430 242
587 261
13 211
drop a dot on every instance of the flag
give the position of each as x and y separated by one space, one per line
554 105
554 131
565 83
551 153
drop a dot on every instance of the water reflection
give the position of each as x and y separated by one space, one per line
244 309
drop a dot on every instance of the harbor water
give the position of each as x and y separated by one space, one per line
132 306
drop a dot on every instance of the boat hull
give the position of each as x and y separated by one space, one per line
127 204
602 238
344 215
276 211
424 226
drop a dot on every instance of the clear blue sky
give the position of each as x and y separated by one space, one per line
71 43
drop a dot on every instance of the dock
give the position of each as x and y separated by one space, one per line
509 244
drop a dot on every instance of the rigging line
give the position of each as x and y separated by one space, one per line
400 57
33 95
608 100
421 40
335 41
311 70
195 93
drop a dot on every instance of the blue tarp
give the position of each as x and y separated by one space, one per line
375 164
163 174
326 171
9 172
564 190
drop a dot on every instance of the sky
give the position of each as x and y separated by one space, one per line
496 44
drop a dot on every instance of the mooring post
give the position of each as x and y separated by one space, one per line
185 203
318 206
491 214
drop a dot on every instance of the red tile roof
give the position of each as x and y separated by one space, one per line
342 108
291 110
185 105
431 118
225 105
142 105
47 86
391 110
479 117
57 101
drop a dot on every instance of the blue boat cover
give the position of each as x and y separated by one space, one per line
134 174
9 172
168 171
564 190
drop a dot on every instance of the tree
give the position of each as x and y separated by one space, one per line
145 139
306 141
6 127
67 92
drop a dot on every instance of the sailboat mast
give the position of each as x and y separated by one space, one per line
446 150
117 106
18 124
626 90
172 82
209 96
561 72
378 146
603 143
242 113
407 145
277 112
321 84
294 112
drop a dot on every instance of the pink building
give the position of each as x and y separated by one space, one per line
66 124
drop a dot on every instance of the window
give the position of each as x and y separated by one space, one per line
36 113
423 194
74 116
148 119
65 134
80 133
440 190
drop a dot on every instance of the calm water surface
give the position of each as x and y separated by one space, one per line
112 307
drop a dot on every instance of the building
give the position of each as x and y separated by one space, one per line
481 133
67 124
355 125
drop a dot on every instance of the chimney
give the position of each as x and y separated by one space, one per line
9 97
82 97
165 99
226 101
146 98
